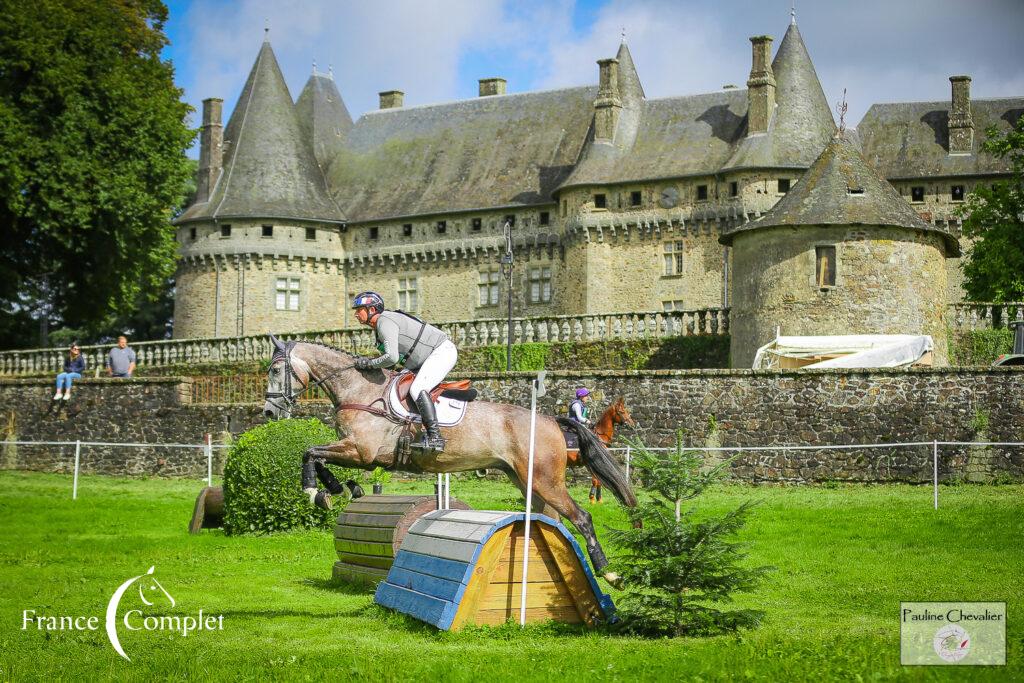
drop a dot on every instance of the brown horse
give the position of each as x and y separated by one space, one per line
494 435
614 415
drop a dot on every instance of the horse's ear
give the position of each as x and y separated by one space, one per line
277 343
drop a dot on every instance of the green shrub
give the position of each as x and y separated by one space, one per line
263 479
980 347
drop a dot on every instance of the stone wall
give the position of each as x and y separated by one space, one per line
714 407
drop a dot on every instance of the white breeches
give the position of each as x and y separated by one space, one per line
435 368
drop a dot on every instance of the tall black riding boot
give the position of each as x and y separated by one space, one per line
431 435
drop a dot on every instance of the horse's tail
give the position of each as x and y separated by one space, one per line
599 461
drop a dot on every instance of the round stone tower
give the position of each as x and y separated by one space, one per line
841 253
260 246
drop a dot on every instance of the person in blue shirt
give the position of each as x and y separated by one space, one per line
74 366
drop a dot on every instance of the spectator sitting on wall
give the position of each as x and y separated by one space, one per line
74 366
121 359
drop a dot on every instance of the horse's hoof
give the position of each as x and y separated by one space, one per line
323 500
614 579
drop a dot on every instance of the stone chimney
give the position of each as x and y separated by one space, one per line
608 104
760 87
392 99
211 148
492 86
961 124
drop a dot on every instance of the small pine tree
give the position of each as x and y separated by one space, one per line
676 565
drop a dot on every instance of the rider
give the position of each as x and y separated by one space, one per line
580 412
419 346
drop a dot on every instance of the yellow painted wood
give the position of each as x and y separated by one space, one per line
572 574
477 586
493 617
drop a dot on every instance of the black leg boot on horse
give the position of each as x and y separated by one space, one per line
430 437
311 471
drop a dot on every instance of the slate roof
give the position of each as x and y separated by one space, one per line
911 139
823 197
269 169
496 151
323 116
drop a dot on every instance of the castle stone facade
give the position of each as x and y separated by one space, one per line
616 202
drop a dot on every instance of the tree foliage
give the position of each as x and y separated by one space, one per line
994 217
679 565
92 162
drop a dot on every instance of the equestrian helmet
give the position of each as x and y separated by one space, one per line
581 392
370 300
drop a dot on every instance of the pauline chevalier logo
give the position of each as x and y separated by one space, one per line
151 593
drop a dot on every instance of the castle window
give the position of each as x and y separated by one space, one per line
311 234
702 192
825 266
565 206
510 219
408 297
477 224
192 234
957 193
374 233
600 201
488 287
783 185
917 194
673 258
268 230
540 285
674 305
734 189
407 230
287 294
545 218
635 198
442 227
225 231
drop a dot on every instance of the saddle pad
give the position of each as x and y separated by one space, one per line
449 411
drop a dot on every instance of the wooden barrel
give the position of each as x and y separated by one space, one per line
371 529
209 510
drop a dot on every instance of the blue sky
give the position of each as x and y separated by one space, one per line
435 51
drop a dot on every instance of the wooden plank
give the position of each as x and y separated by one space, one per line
500 595
366 560
458 531
471 516
573 575
426 584
423 607
388 521
480 577
394 500
541 569
365 533
362 547
354 573
462 551
496 617
386 507
432 566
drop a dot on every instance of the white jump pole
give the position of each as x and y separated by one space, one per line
440 492
537 390
935 472
628 452
447 491
74 485
209 459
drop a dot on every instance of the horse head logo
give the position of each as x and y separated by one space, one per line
148 587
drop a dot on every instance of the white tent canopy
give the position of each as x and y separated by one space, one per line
845 351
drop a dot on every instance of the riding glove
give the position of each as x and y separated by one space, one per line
363 363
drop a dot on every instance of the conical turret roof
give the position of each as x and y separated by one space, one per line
841 189
802 124
324 117
269 168
629 81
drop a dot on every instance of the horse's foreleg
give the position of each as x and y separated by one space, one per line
314 467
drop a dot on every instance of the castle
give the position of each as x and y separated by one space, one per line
617 202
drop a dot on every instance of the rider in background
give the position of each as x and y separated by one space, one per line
419 346
580 412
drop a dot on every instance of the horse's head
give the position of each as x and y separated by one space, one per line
287 377
621 413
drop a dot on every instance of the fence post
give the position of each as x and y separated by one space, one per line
209 458
627 462
935 471
74 485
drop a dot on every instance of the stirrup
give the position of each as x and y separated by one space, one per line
430 443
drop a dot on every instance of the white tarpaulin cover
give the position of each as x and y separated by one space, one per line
853 350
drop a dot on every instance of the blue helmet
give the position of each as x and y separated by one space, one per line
371 300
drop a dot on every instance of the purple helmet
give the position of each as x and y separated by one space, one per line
581 392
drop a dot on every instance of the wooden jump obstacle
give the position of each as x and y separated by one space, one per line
460 567
370 530
209 510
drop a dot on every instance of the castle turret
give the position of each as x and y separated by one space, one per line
323 116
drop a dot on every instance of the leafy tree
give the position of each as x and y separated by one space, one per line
92 163
677 565
994 217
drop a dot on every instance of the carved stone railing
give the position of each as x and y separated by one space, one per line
984 315
466 334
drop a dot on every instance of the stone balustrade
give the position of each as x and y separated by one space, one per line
984 316
466 334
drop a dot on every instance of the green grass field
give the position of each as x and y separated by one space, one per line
846 557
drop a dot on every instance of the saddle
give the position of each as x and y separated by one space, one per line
459 390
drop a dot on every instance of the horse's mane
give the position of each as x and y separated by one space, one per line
289 345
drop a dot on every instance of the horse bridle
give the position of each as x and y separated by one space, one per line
290 397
